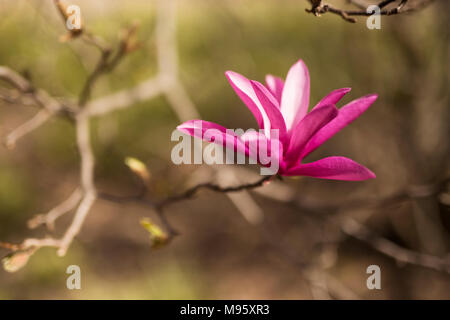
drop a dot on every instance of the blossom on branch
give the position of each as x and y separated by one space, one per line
283 106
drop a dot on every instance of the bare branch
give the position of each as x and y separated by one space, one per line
14 79
387 247
213 187
49 218
77 223
39 119
39 96
123 99
49 105
348 225
87 181
188 194
318 8
107 62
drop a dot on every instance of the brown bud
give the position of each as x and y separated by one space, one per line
16 260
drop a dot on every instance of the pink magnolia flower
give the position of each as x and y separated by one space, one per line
283 105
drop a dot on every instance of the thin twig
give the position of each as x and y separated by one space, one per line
389 248
30 125
213 187
188 194
50 217
318 8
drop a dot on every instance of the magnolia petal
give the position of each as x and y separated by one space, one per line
205 130
347 114
261 149
295 96
244 89
306 128
271 108
255 142
197 128
335 168
333 97
275 85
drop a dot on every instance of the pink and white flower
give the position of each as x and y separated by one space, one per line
283 106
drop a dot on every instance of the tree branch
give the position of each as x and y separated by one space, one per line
318 8
389 248
49 218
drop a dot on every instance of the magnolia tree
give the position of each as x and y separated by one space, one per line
288 131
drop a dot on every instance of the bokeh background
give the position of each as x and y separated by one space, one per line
403 138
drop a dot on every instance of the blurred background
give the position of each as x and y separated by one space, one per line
403 138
